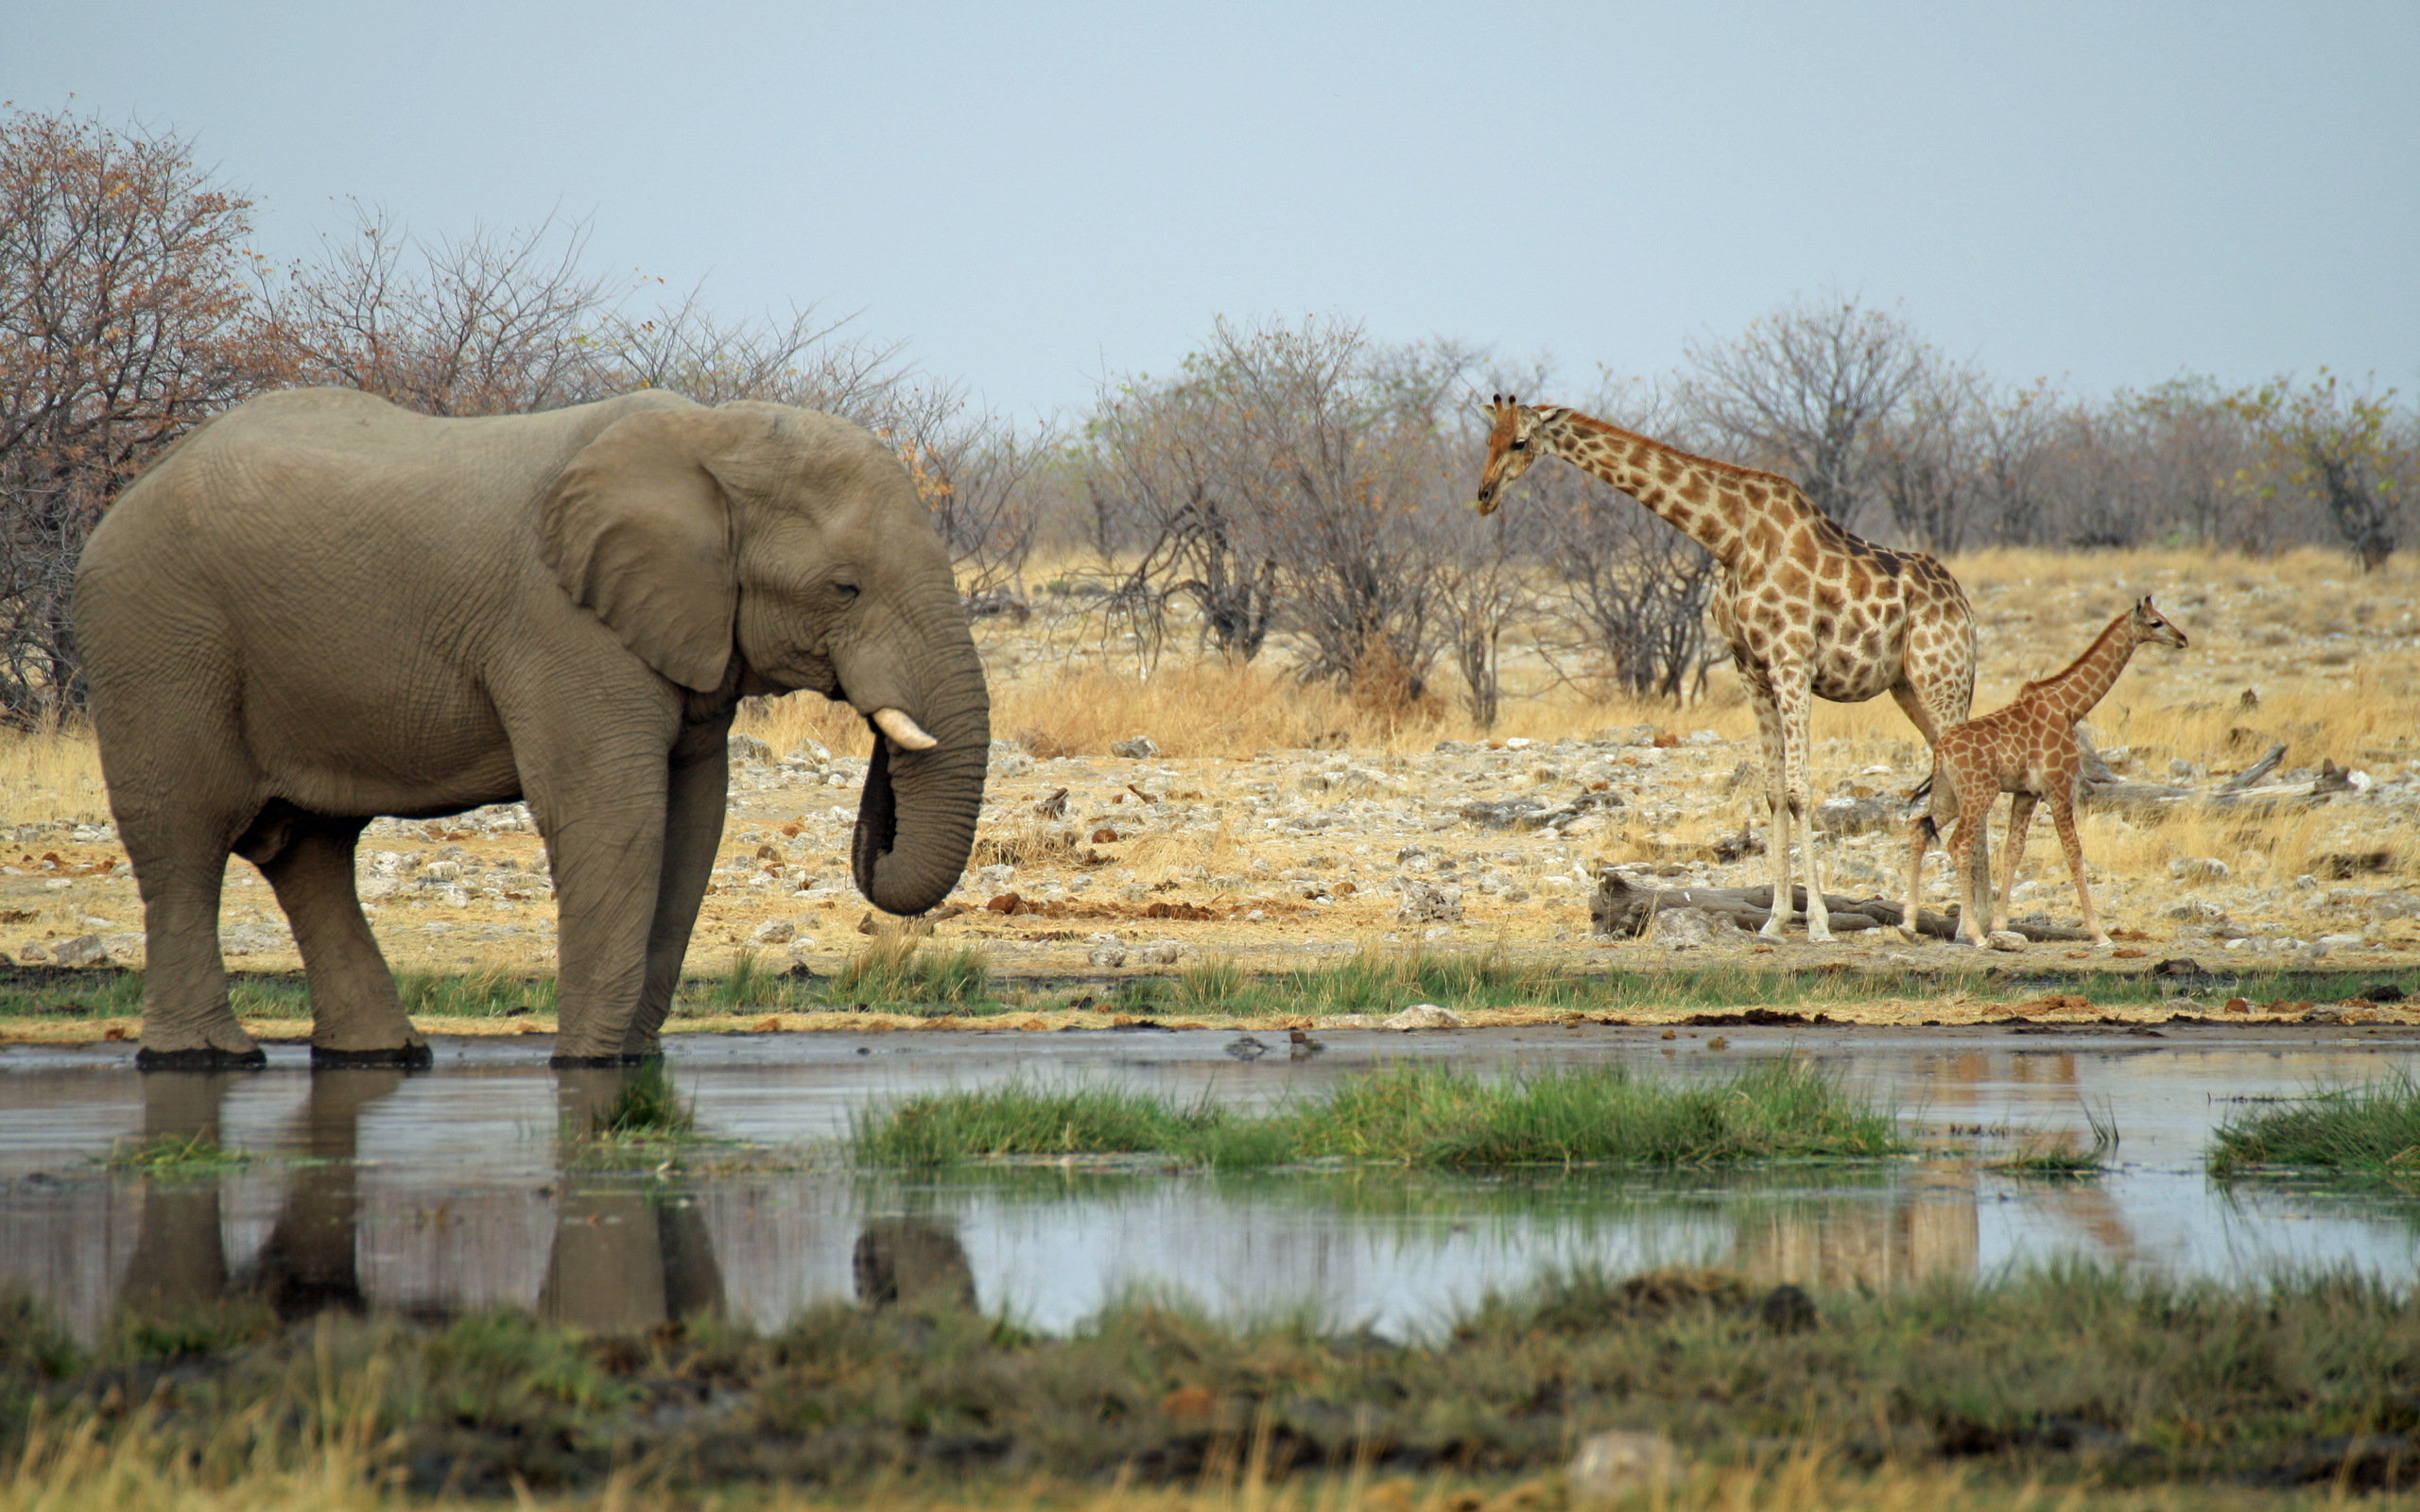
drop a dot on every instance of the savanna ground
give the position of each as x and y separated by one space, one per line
1267 843
1271 836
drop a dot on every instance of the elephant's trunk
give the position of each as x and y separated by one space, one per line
916 823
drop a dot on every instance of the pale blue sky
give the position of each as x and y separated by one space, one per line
1037 196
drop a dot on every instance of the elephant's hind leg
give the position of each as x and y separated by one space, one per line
180 858
356 1018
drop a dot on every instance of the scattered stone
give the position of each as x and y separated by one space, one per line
1425 902
1422 1016
1246 1048
1620 1463
1158 952
1853 815
1680 929
1140 749
798 949
2198 868
748 748
84 949
2005 939
1506 813
775 931
1106 950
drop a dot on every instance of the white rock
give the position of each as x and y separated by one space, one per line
1140 749
1106 955
748 748
800 947
2005 939
84 949
1679 929
2198 868
775 931
2342 942
1423 1016
1620 1463
1158 952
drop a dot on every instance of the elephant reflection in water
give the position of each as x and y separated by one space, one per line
309 1263
625 1259
915 1263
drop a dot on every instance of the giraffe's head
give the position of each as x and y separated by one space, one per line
2151 626
1510 450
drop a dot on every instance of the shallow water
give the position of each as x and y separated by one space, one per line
447 1190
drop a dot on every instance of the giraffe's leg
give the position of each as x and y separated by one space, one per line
1919 841
2020 815
1974 900
1796 700
2063 819
1776 807
1934 701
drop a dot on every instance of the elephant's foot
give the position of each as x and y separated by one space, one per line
219 1041
413 1057
598 1062
200 1057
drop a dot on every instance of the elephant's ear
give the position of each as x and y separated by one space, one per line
637 529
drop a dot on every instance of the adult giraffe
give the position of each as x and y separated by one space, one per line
1809 611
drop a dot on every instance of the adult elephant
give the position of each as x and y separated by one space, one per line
318 608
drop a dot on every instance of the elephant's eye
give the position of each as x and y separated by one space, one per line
844 592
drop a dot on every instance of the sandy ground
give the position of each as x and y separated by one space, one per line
1285 857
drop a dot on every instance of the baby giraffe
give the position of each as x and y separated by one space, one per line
2027 748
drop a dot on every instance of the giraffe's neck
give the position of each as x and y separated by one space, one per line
1712 503
2072 692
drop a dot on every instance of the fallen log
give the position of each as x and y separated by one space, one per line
1622 907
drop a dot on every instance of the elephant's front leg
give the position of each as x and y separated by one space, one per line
608 859
698 790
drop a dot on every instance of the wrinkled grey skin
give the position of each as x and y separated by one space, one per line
318 608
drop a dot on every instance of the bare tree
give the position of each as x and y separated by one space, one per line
489 324
1804 391
1636 591
125 318
1925 460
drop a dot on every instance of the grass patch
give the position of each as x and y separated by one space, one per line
1413 1115
2369 1133
2062 1157
2117 1390
168 1155
895 972
494 993
645 1107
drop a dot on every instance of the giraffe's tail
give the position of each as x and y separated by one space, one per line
1919 808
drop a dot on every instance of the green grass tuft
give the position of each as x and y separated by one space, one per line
645 1107
1411 1115
2369 1133
173 1155
2061 1156
896 973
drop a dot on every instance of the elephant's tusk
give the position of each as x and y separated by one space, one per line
905 733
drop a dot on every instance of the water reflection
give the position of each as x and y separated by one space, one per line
474 1186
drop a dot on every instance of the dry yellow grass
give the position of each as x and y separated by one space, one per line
2333 660
72 1467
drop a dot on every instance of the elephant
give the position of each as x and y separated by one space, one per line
316 608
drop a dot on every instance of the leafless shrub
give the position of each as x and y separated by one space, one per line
125 318
1802 391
